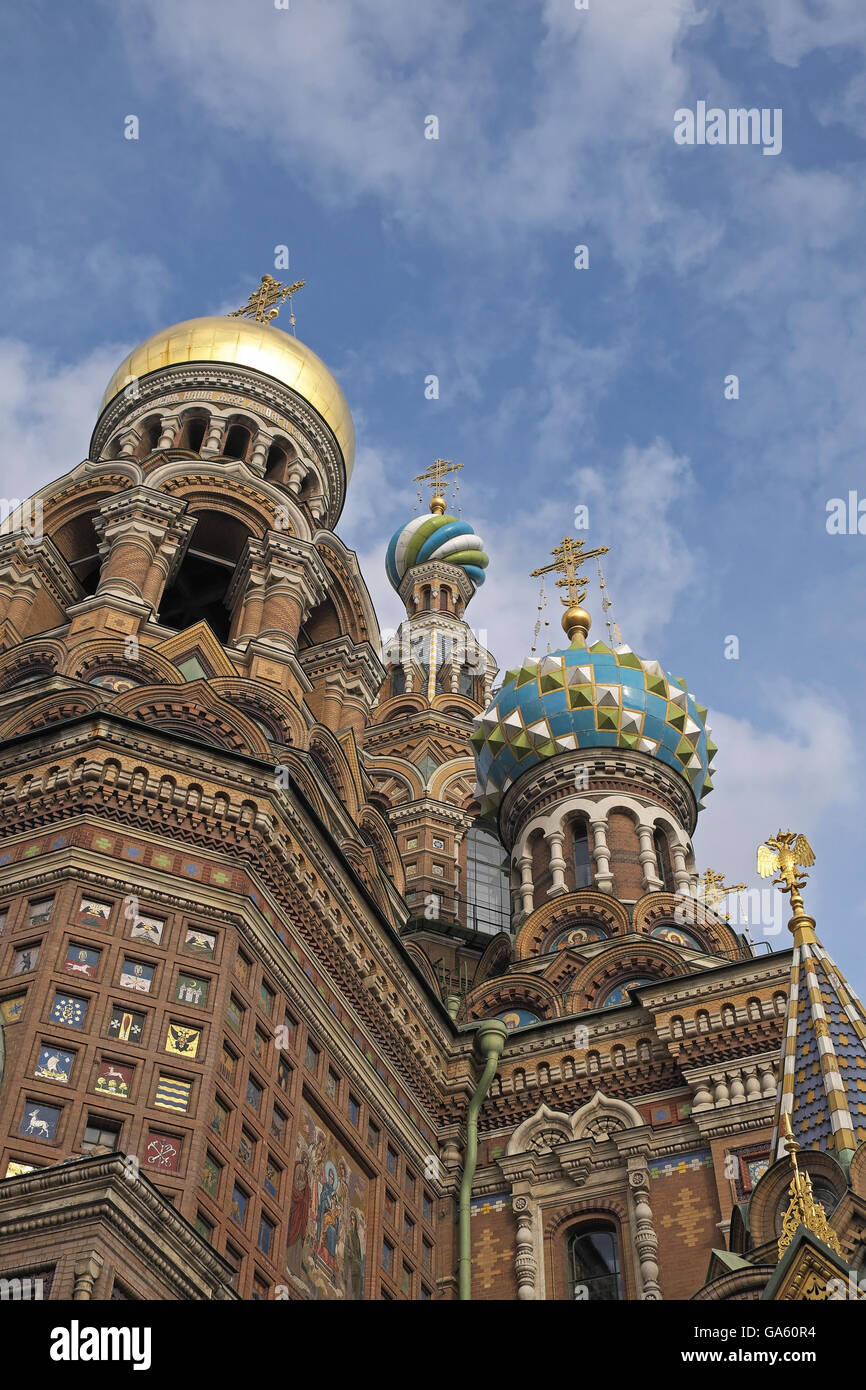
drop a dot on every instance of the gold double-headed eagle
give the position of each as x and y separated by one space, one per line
786 854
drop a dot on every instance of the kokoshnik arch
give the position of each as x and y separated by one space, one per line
331 970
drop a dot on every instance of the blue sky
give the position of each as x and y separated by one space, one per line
601 387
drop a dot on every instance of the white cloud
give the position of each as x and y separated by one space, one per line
800 771
49 412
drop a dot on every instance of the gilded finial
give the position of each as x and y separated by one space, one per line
787 854
802 1209
437 478
270 293
568 560
712 888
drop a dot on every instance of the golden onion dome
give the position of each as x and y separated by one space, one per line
246 343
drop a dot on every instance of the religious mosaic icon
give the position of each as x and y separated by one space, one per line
327 1236
81 960
191 990
11 1007
68 1009
114 1080
25 960
125 1025
239 1205
181 1040
92 912
517 1018
172 1094
54 1065
148 929
210 1177
137 974
40 912
162 1152
199 943
39 1121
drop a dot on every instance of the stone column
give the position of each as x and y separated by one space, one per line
555 840
527 888
259 454
86 1270
31 571
170 426
601 855
142 535
213 438
768 1079
681 873
524 1250
753 1085
651 881
295 581
645 1239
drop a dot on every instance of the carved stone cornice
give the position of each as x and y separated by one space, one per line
618 770
234 388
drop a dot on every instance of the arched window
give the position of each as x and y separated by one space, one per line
467 683
593 1260
729 1016
150 433
663 859
426 600
702 1019
593 1063
488 900
192 434
582 859
237 442
780 1004
754 1007
398 681
203 580
678 1027
618 1056
443 600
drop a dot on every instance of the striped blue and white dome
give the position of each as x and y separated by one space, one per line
433 537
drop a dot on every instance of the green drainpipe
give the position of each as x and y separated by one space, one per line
490 1035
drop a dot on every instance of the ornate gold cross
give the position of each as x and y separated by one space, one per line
568 560
260 304
436 477
713 887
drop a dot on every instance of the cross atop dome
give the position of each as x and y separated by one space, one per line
568 559
436 477
260 304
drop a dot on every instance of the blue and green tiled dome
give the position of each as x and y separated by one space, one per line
435 537
590 697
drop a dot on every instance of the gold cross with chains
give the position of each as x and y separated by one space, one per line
568 558
270 292
713 887
436 477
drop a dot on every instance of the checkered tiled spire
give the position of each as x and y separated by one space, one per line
824 1054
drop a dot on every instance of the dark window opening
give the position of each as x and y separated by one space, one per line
582 858
488 897
198 593
237 442
594 1264
398 681
663 859
149 438
192 435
